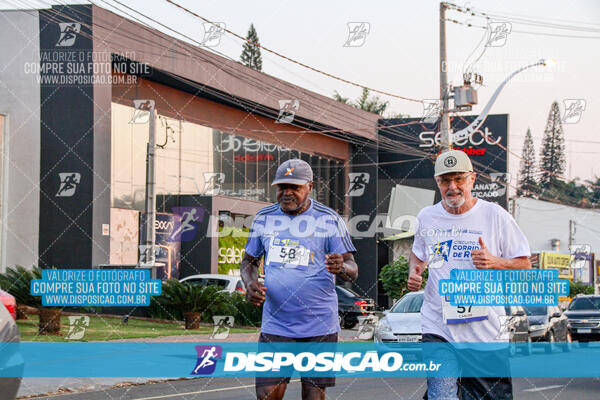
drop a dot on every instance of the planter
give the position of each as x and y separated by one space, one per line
21 312
49 323
192 320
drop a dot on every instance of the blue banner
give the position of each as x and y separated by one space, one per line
307 359
95 287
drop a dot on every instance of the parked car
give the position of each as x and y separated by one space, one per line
401 323
229 283
584 318
548 324
351 306
9 302
517 328
11 361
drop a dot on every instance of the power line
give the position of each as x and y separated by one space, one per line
292 60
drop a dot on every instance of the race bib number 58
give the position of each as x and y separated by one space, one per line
289 256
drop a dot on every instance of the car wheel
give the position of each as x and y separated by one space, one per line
550 347
568 343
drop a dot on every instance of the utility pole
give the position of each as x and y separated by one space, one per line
571 232
445 135
150 201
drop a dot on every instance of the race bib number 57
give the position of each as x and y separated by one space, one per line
462 314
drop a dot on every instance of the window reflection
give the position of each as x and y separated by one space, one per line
196 159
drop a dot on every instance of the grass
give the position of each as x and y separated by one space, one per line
108 328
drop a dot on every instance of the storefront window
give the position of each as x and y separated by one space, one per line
195 159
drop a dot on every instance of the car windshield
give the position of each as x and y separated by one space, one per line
208 282
535 310
346 292
409 304
585 303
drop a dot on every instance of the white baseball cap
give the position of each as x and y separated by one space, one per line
452 161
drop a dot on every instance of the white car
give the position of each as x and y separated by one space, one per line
228 283
401 323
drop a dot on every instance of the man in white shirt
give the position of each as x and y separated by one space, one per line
463 232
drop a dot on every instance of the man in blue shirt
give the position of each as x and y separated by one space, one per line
304 245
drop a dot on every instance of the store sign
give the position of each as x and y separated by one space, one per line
561 262
419 143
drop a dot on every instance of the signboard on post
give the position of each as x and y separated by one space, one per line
418 143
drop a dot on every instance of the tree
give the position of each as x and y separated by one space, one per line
552 161
251 52
364 102
527 182
394 278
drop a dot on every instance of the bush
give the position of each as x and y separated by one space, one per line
579 288
394 278
178 298
245 313
17 281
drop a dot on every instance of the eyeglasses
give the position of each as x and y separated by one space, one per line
459 180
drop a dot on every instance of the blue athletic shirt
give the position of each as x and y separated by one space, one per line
300 293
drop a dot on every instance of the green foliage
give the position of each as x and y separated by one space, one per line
527 172
552 159
234 238
576 288
245 313
364 102
251 56
178 298
394 278
17 282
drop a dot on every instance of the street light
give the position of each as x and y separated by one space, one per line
476 124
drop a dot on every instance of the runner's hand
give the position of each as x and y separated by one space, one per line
415 280
483 259
334 263
255 293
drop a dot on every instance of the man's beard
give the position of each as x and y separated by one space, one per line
455 203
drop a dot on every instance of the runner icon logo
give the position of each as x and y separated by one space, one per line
287 111
207 359
222 325
358 183
438 254
498 33
68 33
213 33
77 325
68 183
357 33
186 229
141 112
212 183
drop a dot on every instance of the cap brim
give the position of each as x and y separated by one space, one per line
291 181
453 171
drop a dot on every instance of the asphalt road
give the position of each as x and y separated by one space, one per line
347 388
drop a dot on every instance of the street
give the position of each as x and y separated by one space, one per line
352 389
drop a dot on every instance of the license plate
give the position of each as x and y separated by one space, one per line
584 330
408 338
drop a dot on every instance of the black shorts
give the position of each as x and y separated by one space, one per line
475 388
326 381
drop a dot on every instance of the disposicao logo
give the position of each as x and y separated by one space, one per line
207 359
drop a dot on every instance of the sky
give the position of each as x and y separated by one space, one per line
400 55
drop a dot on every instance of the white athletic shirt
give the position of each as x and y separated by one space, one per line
458 234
